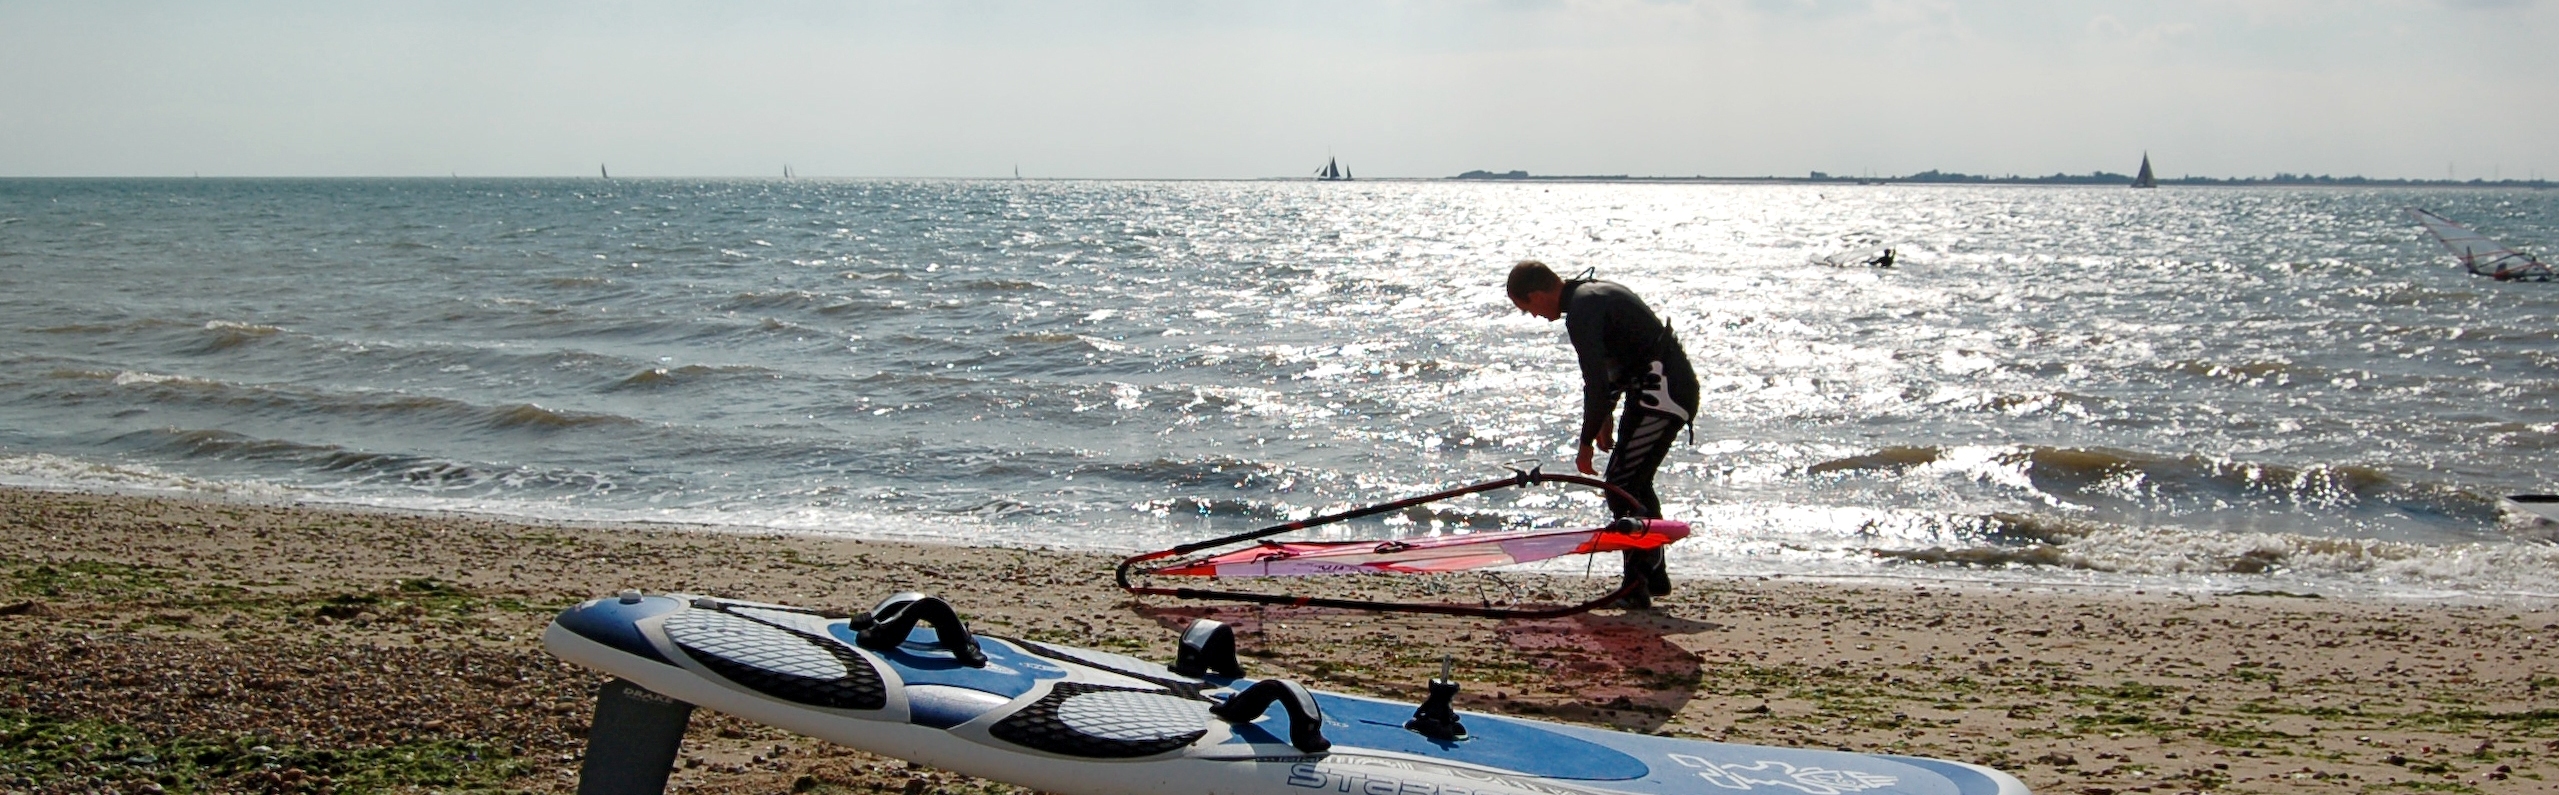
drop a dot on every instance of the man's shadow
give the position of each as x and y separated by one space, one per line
1610 668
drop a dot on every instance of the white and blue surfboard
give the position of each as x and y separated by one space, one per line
1069 720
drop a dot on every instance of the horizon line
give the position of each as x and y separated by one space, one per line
1928 177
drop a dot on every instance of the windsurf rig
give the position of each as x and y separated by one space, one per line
1420 555
2479 254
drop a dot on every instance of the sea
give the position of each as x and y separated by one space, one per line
2205 389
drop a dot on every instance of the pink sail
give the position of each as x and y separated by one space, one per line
1429 555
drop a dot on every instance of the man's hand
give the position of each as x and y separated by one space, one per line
1607 430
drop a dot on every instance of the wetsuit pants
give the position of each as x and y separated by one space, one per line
1660 403
1644 438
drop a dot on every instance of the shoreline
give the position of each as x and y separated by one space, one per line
1968 577
303 629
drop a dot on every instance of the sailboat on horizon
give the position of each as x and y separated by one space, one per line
1332 171
600 169
2145 179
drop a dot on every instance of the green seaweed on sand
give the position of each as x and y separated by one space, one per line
2422 786
2130 690
2251 737
41 753
80 578
2535 722
423 597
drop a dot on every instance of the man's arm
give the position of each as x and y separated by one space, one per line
1584 330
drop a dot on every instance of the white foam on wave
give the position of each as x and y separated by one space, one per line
133 377
53 472
234 325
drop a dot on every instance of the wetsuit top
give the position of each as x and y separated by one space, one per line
1617 339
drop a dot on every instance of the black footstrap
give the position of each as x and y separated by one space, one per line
1208 647
1305 718
890 627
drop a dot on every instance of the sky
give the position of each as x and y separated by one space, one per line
1207 90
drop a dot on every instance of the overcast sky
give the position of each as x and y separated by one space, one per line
2384 88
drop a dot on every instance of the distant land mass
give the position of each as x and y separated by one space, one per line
1935 177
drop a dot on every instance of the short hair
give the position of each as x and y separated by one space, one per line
1530 277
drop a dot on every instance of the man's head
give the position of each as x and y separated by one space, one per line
1536 290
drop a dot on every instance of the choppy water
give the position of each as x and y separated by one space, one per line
2228 388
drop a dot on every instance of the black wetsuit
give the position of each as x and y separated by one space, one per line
1625 349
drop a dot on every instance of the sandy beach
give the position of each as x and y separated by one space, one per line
166 644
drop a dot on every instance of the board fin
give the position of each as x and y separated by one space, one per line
630 750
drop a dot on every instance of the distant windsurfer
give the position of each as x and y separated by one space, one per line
1624 350
1884 261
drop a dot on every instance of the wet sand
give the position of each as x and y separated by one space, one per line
155 643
